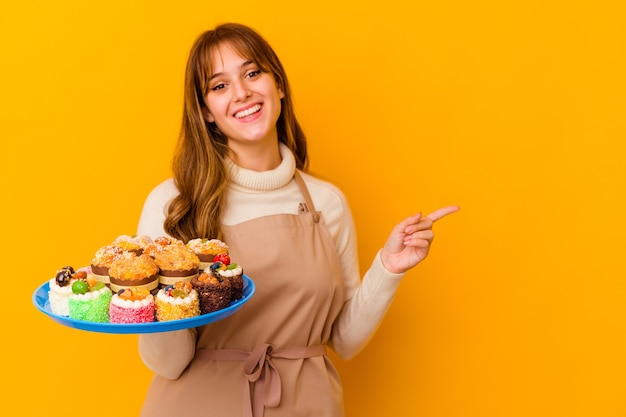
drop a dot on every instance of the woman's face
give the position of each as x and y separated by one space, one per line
242 101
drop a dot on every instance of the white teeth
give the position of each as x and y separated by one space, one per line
248 112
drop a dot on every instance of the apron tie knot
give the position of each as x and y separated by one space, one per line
262 373
263 387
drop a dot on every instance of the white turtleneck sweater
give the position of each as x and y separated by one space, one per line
253 194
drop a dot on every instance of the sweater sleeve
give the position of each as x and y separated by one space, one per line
167 354
363 312
366 300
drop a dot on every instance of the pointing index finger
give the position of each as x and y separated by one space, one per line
442 212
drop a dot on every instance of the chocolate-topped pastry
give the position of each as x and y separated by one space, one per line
227 270
214 291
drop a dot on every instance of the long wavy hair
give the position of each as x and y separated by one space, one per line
198 164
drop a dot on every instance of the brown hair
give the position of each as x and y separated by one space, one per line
198 164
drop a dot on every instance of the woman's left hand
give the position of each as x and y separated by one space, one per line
410 240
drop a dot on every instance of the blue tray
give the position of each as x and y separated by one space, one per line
40 300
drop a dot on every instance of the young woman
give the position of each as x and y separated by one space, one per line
240 176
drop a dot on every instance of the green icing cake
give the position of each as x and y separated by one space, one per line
92 306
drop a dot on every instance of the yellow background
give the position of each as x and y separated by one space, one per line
512 110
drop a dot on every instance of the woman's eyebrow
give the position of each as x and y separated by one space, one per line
243 65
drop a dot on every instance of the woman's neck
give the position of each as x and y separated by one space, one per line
257 157
255 181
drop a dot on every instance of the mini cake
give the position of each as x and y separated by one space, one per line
132 305
176 263
161 242
102 260
230 271
234 273
206 249
61 288
178 301
131 270
134 243
214 290
89 301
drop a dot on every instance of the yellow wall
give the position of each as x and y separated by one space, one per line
513 110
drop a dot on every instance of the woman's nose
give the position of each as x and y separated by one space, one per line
241 91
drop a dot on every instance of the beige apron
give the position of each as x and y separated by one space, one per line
268 359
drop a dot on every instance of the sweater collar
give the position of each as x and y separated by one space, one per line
273 179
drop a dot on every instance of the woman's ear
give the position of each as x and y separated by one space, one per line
281 93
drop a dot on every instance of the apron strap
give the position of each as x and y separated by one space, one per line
307 196
261 372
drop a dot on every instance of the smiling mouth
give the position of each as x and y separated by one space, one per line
248 111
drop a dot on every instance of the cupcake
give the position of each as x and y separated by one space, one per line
132 305
176 263
214 291
102 260
61 288
131 270
89 300
175 302
135 243
207 249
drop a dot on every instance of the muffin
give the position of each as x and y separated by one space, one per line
207 249
176 263
131 270
102 260
159 243
134 243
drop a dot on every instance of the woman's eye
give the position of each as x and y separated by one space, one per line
253 73
218 87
